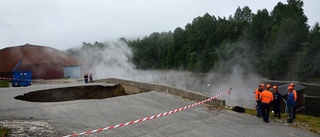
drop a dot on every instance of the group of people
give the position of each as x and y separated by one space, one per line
87 77
266 99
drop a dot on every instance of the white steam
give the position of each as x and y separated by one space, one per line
115 63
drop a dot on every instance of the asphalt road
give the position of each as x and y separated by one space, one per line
83 115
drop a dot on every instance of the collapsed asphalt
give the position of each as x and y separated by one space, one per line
74 93
82 115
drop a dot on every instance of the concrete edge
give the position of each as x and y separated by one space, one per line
166 89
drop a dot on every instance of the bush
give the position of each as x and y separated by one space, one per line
4 132
4 84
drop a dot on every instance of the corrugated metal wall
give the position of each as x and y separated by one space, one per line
45 71
72 72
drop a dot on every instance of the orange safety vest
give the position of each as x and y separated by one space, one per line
295 96
266 96
257 94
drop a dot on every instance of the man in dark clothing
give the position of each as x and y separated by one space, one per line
258 99
85 77
276 102
90 77
290 104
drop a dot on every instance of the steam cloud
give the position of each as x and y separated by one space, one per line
115 63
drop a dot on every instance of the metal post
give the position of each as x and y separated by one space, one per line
285 103
208 85
229 97
154 88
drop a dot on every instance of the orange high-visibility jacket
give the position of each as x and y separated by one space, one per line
257 94
266 96
295 96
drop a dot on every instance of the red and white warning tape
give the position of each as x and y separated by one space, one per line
39 80
2 78
147 118
254 78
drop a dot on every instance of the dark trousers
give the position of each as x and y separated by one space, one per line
276 109
291 113
258 108
294 112
265 111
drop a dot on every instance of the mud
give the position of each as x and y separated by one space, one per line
74 93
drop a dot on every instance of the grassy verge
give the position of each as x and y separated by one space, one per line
4 84
4 132
310 123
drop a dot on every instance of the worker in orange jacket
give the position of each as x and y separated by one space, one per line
266 99
293 91
290 104
295 98
258 100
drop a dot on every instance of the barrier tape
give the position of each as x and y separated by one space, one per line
147 118
38 80
254 78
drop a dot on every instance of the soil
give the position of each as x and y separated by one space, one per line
74 93
30 128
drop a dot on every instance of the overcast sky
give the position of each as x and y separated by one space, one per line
64 24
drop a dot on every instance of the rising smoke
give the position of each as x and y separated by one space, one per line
115 63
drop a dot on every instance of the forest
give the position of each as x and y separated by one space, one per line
277 44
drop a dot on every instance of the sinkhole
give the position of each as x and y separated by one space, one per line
78 93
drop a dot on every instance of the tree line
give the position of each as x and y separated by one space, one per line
274 44
271 43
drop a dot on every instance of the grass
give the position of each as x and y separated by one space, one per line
4 84
310 123
4 132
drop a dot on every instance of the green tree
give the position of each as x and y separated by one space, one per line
267 40
288 33
243 14
310 61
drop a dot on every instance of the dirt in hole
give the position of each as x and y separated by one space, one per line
74 93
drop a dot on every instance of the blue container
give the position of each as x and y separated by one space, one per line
21 78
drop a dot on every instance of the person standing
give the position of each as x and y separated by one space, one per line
258 100
90 77
85 77
295 96
276 102
266 99
290 104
